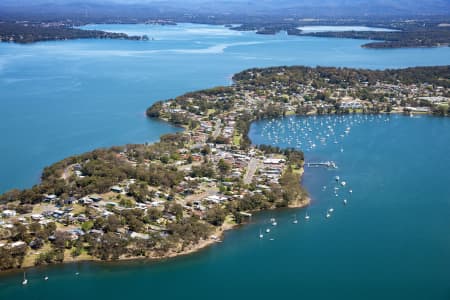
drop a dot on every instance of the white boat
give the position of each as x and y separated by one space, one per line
337 178
268 230
260 234
46 278
274 223
350 191
345 201
25 280
306 216
295 219
343 183
328 215
331 210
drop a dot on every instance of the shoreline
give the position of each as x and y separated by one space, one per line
193 249
269 177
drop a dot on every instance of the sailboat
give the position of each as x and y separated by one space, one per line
25 280
295 219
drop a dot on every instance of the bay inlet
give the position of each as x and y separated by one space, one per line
390 241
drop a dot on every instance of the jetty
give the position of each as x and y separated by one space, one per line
327 164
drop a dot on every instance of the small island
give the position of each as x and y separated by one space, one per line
180 194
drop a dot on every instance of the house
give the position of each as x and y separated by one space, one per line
37 217
17 244
85 200
95 198
274 161
117 189
57 214
141 236
50 198
9 213
215 199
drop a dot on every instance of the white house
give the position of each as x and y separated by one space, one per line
9 213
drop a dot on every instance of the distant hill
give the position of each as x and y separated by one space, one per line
305 8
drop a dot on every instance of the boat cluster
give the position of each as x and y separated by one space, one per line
311 134
25 279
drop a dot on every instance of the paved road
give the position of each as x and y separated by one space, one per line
218 128
251 169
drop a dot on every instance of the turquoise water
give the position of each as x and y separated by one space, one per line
67 97
390 241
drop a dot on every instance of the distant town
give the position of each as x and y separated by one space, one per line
178 195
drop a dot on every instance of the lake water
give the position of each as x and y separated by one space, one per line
390 241
67 97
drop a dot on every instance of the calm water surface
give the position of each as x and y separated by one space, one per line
390 241
63 98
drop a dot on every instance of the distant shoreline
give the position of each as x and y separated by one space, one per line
400 35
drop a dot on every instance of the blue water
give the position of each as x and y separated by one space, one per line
67 97
390 241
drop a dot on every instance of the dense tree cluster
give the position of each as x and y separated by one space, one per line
324 76
34 32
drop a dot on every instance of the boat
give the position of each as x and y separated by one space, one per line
260 234
345 201
295 219
337 178
46 278
268 230
328 215
343 183
306 216
25 280
331 210
274 223
350 191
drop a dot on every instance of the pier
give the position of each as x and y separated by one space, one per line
327 164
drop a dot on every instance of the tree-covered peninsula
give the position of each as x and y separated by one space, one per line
179 194
30 32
